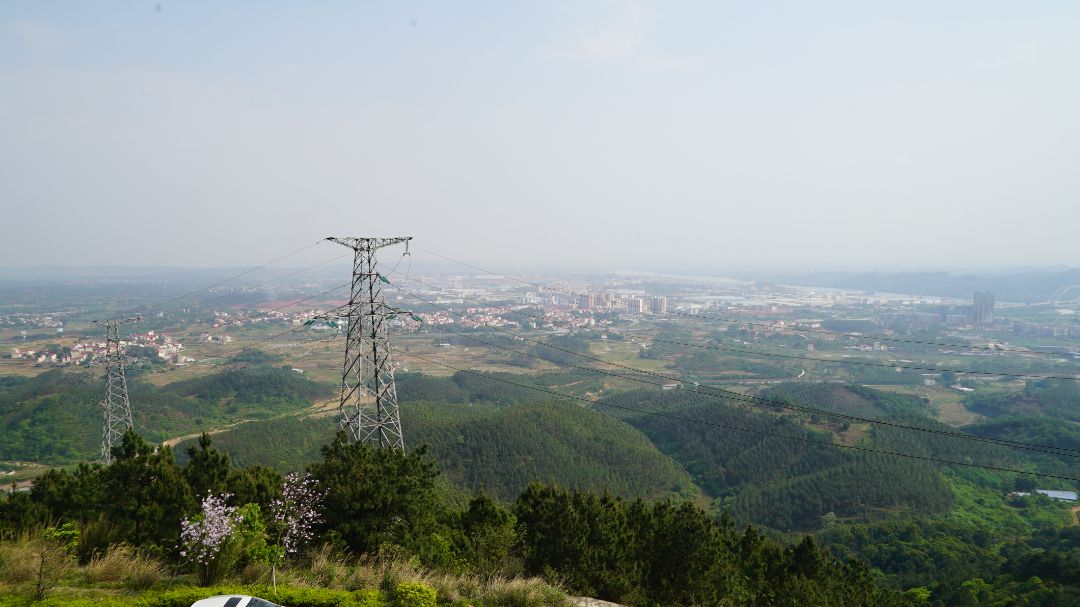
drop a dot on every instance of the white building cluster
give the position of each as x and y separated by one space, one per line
84 352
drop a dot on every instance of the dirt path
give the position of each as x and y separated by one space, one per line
1073 511
172 442
319 409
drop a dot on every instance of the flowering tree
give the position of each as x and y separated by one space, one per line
204 537
294 515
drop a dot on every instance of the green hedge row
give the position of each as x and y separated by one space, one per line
185 596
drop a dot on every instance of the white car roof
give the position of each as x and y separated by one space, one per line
233 600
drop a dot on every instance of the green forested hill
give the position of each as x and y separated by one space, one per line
848 399
486 387
497 450
251 384
1050 397
852 490
558 443
790 484
919 523
55 417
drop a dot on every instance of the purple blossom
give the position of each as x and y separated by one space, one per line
202 537
296 513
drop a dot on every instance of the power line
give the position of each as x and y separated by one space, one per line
266 282
728 395
246 272
294 329
309 297
752 323
738 428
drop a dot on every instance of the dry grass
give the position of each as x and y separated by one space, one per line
19 560
522 592
254 573
328 569
123 564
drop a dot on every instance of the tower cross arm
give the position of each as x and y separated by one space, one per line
116 322
368 243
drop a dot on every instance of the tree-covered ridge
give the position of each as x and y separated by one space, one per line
1039 430
673 553
719 459
495 449
382 502
492 388
1049 397
769 467
853 490
557 443
46 418
987 551
55 417
252 384
849 399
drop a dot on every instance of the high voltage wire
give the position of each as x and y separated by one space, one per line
266 282
309 268
738 428
752 323
246 272
728 395
300 271
292 330
291 274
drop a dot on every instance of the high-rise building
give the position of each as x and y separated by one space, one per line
659 305
635 305
983 311
586 301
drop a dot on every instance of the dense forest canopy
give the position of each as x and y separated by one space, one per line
948 529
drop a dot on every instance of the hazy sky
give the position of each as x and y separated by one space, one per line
707 135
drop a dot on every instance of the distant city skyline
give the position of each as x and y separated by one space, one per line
693 137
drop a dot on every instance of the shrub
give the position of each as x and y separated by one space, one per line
254 573
123 564
55 551
293 597
328 568
415 594
95 537
18 560
205 539
521 592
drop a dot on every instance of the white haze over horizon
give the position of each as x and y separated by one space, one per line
683 137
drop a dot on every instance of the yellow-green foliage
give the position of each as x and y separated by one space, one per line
520 592
415 594
18 560
122 564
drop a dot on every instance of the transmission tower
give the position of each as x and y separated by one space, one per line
116 406
369 406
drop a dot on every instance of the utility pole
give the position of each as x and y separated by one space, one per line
369 407
116 406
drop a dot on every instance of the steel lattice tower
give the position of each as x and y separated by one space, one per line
369 406
116 406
